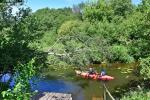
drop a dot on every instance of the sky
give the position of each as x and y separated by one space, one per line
38 4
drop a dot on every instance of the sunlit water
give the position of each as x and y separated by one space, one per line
84 89
60 86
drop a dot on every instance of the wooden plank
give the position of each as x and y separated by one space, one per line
46 95
69 97
52 96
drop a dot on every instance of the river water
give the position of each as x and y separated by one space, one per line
66 81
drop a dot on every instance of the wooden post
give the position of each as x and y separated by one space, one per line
104 91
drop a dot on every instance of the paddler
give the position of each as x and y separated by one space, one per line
103 72
103 67
91 71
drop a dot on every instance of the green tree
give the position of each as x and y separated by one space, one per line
120 53
17 32
21 90
122 7
78 44
136 95
98 11
51 19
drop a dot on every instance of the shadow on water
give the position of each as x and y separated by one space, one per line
83 83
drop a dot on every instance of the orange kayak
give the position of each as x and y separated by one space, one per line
96 76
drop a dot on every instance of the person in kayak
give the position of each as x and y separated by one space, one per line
103 67
91 71
103 72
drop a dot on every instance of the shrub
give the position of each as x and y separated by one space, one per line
136 95
120 53
144 67
21 89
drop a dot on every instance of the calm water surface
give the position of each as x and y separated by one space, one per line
84 89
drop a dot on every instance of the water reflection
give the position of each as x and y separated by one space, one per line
59 86
122 73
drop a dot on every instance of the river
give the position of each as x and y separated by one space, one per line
64 79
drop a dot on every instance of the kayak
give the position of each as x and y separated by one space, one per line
96 76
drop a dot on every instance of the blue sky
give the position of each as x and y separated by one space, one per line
38 4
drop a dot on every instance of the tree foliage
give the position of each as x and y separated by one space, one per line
120 53
121 24
17 32
51 19
144 68
21 90
136 95
113 30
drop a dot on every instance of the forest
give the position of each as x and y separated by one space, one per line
114 31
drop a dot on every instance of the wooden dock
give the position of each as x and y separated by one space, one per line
52 96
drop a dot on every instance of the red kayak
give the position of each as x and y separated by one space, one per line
85 74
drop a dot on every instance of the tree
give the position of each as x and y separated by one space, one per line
51 19
21 89
77 45
136 95
120 53
17 32
98 11
122 7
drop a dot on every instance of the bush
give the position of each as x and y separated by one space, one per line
136 95
144 67
68 27
21 89
120 53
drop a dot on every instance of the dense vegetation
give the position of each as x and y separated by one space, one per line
17 56
106 30
112 30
